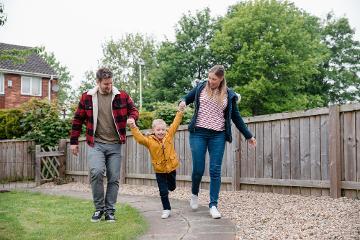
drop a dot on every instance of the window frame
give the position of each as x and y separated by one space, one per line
32 79
2 77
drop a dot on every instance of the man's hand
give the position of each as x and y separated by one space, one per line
131 122
74 149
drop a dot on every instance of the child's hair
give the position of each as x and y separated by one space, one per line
157 122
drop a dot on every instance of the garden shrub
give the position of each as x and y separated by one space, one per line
44 125
145 120
167 112
10 120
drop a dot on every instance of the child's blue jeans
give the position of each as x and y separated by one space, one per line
166 182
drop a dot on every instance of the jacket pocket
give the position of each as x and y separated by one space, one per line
173 163
158 166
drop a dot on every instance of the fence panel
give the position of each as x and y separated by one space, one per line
17 160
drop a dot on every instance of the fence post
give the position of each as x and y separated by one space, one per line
334 151
237 163
62 159
37 165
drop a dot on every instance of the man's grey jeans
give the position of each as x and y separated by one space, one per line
104 157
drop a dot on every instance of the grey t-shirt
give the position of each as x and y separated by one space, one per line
105 129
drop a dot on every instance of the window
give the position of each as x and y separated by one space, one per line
31 86
2 83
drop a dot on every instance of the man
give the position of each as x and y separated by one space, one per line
105 110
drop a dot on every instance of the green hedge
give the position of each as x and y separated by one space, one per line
145 120
165 111
39 120
36 119
10 124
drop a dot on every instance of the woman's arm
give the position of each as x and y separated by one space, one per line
239 122
190 97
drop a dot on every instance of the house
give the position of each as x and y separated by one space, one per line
21 81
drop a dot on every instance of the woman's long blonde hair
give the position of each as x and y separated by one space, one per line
220 93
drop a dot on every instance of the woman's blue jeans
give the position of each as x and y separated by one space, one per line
201 140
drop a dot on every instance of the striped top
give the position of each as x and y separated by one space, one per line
211 114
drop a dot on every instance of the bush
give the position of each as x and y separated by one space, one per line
167 112
145 120
10 120
44 125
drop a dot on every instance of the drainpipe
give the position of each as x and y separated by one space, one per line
49 88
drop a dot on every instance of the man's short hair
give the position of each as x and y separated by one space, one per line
103 73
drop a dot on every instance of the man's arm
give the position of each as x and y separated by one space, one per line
78 121
132 110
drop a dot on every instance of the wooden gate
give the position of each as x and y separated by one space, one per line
49 163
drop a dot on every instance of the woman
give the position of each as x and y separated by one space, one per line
210 128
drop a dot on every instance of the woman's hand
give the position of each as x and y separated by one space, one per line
252 141
182 106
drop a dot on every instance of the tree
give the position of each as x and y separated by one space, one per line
340 72
2 15
88 83
124 57
65 92
273 51
187 58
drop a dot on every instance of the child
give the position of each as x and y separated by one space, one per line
163 156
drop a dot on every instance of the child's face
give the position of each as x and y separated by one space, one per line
159 131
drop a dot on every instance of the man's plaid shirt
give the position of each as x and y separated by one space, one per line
122 108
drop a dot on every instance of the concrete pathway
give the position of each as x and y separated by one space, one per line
183 223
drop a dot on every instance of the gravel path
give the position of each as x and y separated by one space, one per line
268 215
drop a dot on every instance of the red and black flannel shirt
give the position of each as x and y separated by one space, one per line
122 108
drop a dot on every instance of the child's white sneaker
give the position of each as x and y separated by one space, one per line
194 202
165 214
214 213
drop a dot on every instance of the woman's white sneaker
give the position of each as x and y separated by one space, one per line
214 213
194 202
165 214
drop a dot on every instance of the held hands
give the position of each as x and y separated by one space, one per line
252 141
74 149
181 106
131 123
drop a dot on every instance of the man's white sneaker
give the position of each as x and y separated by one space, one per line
214 213
165 214
194 202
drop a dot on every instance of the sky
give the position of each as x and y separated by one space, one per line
75 30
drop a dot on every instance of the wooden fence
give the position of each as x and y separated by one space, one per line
136 165
17 161
314 152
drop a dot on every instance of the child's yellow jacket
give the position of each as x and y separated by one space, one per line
163 156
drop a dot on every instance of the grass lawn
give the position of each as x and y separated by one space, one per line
26 215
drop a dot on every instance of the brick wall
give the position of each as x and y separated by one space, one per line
13 97
2 101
